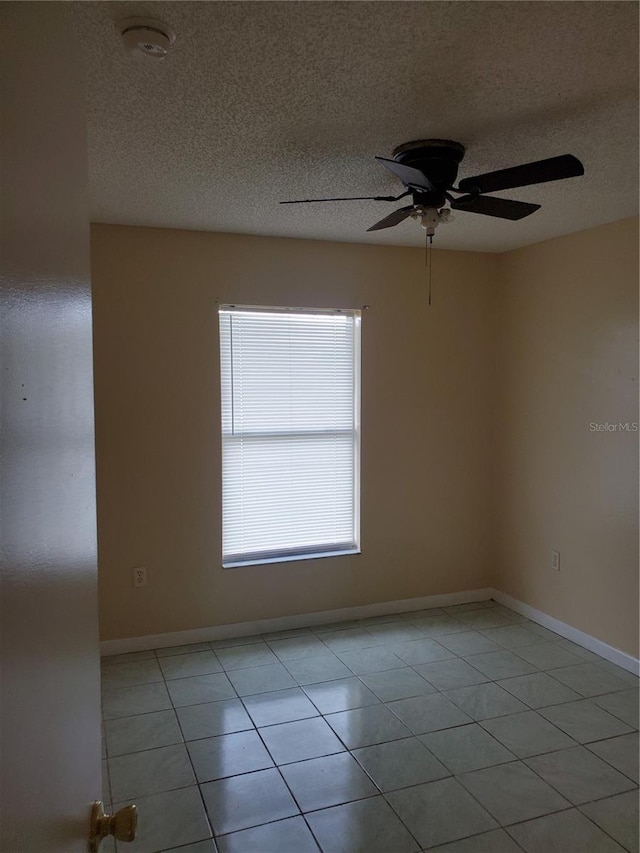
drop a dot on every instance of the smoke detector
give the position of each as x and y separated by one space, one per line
146 37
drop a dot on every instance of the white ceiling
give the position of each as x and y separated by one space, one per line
265 101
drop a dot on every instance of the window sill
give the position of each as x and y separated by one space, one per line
237 564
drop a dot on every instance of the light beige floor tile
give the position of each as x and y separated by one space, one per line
538 690
428 713
199 689
618 816
129 701
547 656
340 695
213 718
240 802
366 826
469 643
623 705
184 666
127 657
394 633
231 642
620 752
397 684
228 755
279 706
140 774
243 657
400 763
502 664
587 679
439 812
565 832
439 625
511 636
260 679
487 618
584 721
294 648
527 734
466 748
327 781
286 634
187 649
291 835
299 740
130 674
422 651
366 726
375 659
168 820
512 792
496 841
449 674
318 669
348 639
579 775
483 701
199 847
145 731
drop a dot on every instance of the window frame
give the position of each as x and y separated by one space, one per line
294 554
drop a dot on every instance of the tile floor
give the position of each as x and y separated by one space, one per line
464 729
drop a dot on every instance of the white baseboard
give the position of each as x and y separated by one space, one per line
286 623
606 651
383 608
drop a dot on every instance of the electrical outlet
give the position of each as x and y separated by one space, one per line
555 561
140 576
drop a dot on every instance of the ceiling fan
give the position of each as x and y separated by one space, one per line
428 169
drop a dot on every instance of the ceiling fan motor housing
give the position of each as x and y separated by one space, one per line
438 159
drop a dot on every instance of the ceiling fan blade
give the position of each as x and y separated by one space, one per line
503 208
553 169
409 176
347 198
393 218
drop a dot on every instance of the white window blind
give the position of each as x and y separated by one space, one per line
290 433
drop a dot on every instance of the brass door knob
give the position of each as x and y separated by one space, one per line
122 825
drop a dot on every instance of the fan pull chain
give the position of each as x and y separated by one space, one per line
427 260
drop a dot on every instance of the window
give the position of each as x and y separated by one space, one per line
290 433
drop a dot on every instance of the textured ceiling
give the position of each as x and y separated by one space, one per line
264 101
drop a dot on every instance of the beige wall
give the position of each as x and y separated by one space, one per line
568 357
427 385
478 457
